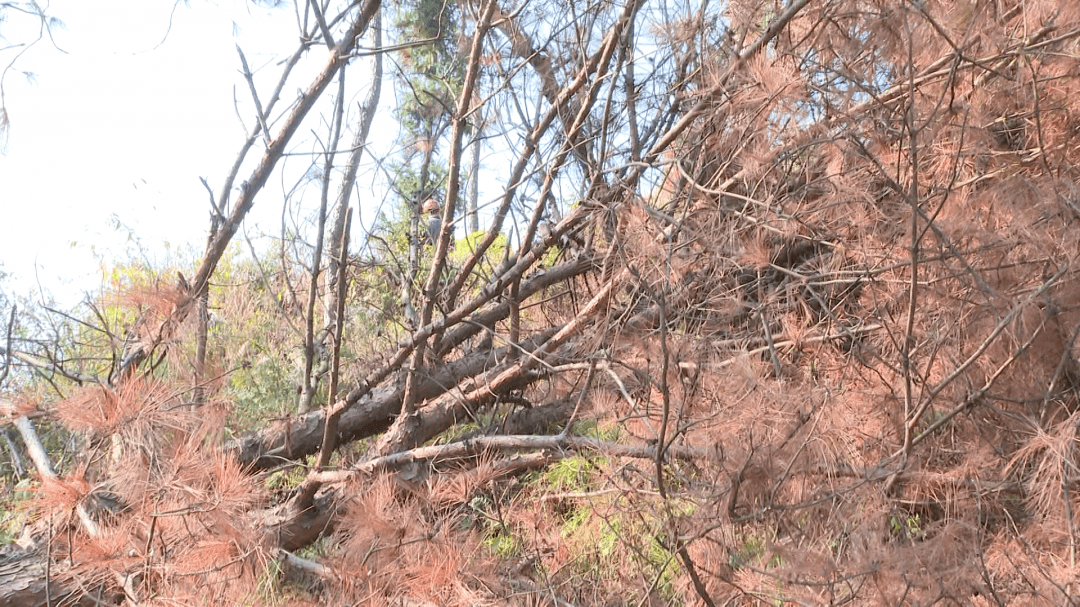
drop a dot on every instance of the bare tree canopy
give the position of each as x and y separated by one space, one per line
660 303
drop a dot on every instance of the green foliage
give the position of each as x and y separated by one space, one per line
550 257
374 309
604 536
498 537
412 188
906 526
747 553
268 589
428 86
13 515
502 542
570 474
578 473
660 563
590 428
264 389
287 478
463 249
318 549
435 70
602 544
251 341
576 519
458 431
750 552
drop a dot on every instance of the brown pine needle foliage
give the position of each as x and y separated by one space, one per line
394 546
827 351
61 495
168 499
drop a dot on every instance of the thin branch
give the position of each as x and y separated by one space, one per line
474 446
7 347
321 20
259 114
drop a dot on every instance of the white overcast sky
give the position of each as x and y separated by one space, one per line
117 130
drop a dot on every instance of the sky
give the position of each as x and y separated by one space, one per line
120 119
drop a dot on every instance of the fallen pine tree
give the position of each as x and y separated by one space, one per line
804 332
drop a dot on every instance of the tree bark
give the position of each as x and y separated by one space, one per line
369 415
27 581
472 195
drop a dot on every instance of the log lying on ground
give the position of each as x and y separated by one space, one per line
301 436
443 412
27 580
